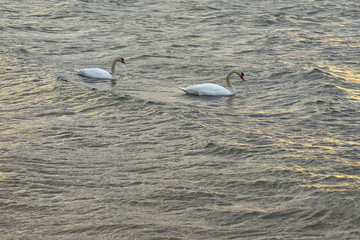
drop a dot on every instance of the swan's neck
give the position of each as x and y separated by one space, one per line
113 73
231 87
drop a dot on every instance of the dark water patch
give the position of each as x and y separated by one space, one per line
315 73
55 114
282 214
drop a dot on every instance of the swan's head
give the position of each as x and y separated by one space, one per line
240 73
120 59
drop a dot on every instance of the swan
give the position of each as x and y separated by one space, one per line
210 89
100 73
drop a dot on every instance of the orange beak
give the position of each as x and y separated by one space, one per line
242 76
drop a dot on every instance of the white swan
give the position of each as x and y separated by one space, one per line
210 89
100 73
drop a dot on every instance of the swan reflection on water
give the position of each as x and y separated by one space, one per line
93 84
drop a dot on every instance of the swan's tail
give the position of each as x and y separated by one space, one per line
184 89
188 91
80 72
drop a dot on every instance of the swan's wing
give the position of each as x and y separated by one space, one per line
94 73
208 89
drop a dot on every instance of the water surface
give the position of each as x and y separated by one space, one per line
136 158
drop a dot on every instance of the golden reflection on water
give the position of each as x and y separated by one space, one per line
349 75
347 162
20 102
352 181
341 187
340 42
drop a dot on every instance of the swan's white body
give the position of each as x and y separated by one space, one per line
100 73
95 73
210 89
